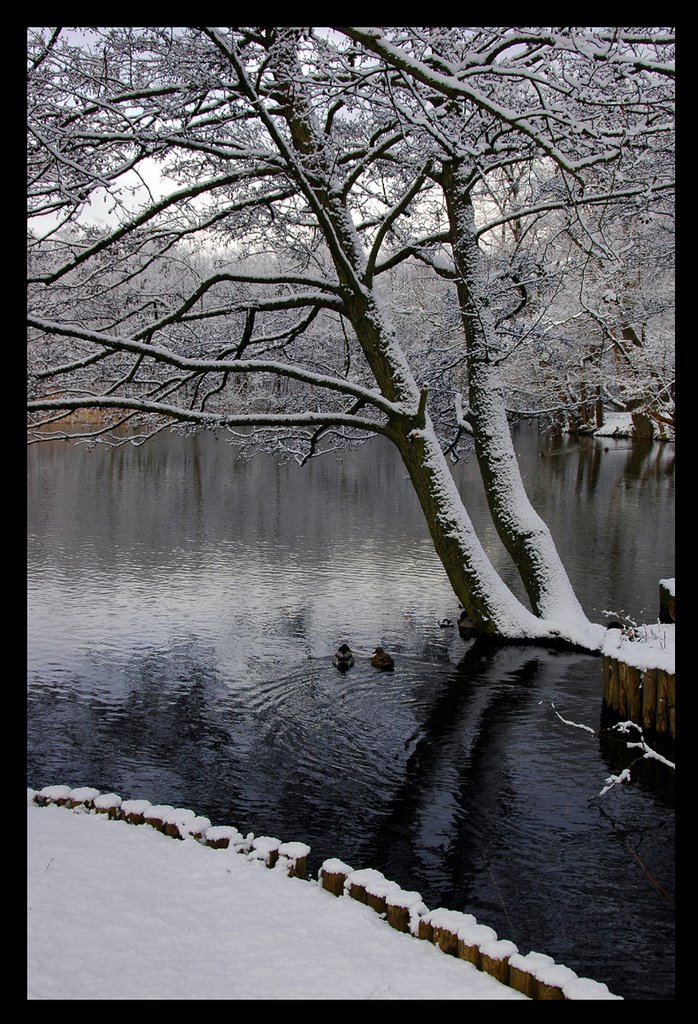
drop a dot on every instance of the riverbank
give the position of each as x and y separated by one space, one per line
122 912
631 425
119 912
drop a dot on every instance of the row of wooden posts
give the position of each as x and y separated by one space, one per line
458 934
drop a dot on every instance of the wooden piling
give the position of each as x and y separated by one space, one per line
649 699
82 796
495 957
523 980
52 795
294 858
446 940
265 849
157 816
442 927
220 837
402 907
665 701
370 887
611 683
333 875
631 690
134 811
639 683
539 977
109 804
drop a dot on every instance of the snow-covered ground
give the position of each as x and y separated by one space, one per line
620 424
643 647
117 911
617 424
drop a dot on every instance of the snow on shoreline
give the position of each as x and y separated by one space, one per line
644 647
123 912
620 424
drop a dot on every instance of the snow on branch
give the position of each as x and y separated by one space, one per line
118 344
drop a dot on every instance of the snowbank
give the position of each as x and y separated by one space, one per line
617 424
126 913
123 912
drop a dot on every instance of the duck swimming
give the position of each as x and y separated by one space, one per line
382 660
343 658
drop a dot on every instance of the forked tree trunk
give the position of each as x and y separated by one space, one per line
522 531
491 605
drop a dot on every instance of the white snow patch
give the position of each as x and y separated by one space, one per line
83 794
648 647
105 801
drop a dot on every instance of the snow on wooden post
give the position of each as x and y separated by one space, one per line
175 822
333 875
358 883
585 988
293 857
52 795
134 811
265 849
471 938
157 816
109 804
220 837
441 927
370 887
197 827
539 977
83 796
495 957
402 908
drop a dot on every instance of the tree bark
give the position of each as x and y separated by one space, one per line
522 531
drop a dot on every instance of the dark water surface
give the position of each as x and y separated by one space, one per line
183 609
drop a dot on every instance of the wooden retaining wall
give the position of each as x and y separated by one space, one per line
456 934
646 697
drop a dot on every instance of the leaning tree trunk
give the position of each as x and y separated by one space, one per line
522 531
491 605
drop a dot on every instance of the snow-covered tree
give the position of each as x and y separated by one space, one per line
305 168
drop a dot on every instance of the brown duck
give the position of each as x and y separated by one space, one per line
381 659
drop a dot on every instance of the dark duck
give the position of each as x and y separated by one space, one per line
343 658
